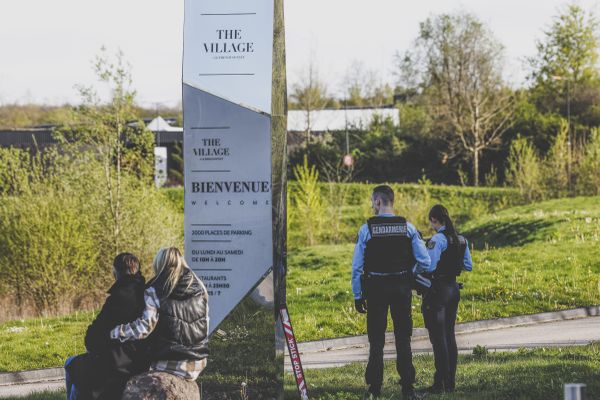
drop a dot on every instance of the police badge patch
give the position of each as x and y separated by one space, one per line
431 244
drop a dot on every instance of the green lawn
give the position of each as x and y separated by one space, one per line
41 396
41 342
245 354
524 375
528 259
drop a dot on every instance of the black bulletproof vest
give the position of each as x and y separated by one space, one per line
452 259
390 247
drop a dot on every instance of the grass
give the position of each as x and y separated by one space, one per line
545 257
56 395
528 259
41 342
524 375
244 354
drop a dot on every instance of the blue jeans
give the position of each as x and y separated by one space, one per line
71 390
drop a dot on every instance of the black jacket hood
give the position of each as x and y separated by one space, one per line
127 280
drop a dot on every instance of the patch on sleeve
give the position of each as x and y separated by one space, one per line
431 244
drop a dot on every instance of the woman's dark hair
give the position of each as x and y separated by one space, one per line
126 264
440 213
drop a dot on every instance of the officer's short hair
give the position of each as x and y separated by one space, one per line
126 264
384 193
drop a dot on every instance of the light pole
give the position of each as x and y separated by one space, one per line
569 150
347 160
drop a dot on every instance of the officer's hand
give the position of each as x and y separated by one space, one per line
361 306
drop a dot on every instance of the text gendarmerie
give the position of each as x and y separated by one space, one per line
389 229
231 187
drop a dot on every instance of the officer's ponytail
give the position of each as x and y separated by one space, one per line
440 213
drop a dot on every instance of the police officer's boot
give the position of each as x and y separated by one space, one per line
374 392
409 393
436 388
449 385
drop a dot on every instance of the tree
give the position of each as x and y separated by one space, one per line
457 64
566 59
309 95
361 87
106 127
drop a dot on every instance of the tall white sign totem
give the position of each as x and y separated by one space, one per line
227 78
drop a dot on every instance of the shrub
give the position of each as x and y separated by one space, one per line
524 169
588 181
307 205
556 164
56 238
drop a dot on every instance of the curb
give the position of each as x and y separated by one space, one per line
421 333
33 376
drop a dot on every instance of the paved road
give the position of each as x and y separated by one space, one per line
550 334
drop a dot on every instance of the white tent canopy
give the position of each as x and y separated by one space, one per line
158 124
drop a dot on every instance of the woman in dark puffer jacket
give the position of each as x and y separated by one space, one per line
175 319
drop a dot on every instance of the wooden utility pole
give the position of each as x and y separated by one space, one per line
279 177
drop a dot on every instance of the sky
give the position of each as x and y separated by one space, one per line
46 47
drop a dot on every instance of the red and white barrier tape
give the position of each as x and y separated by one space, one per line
294 354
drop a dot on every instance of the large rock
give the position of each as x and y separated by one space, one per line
160 386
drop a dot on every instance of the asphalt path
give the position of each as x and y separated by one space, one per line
575 332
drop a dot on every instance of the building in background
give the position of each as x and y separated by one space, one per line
169 137
317 123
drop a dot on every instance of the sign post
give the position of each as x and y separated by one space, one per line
227 74
234 93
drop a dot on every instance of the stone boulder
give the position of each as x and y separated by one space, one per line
160 386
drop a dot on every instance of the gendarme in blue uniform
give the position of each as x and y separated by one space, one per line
438 244
387 249
358 259
450 256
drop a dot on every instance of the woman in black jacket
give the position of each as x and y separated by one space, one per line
175 319
102 372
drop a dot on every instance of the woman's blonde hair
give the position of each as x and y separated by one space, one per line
169 261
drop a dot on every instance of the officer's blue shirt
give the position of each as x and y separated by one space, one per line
358 259
438 244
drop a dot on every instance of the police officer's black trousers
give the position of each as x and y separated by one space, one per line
439 308
393 293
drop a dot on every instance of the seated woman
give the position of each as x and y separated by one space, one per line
103 371
175 319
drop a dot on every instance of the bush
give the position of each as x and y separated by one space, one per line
524 169
412 201
56 237
307 204
588 181
556 165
